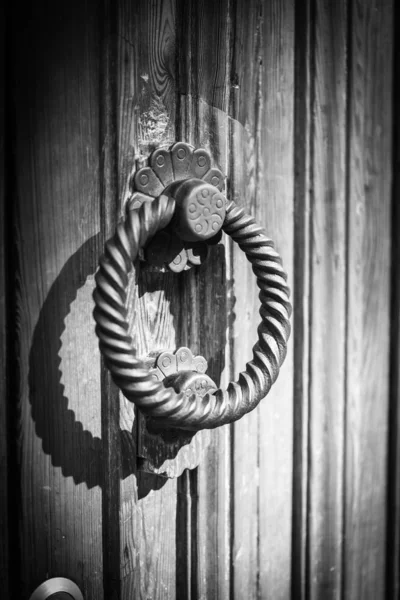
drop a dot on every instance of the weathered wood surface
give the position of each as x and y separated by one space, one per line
343 183
244 179
368 333
275 210
293 100
204 99
109 207
328 246
393 530
56 229
146 118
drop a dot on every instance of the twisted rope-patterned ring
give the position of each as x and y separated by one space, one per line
132 376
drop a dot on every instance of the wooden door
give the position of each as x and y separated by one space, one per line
299 499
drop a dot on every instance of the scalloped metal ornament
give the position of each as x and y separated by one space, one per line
167 451
164 166
168 364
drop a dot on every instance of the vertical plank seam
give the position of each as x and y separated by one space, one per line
108 219
186 575
178 61
310 280
258 176
302 295
231 36
393 466
193 538
349 92
184 551
311 134
231 361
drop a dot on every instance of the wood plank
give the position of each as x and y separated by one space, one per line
146 100
56 228
328 300
369 206
211 490
276 213
109 209
204 71
244 179
393 529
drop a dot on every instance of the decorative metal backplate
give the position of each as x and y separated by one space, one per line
184 372
167 451
165 166
168 363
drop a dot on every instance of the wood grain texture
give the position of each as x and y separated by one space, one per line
300 499
211 488
109 209
244 180
56 227
146 117
204 85
369 214
328 299
203 89
276 213
393 521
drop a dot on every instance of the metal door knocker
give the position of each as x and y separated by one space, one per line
178 206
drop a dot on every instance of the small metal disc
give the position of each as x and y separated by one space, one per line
56 585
